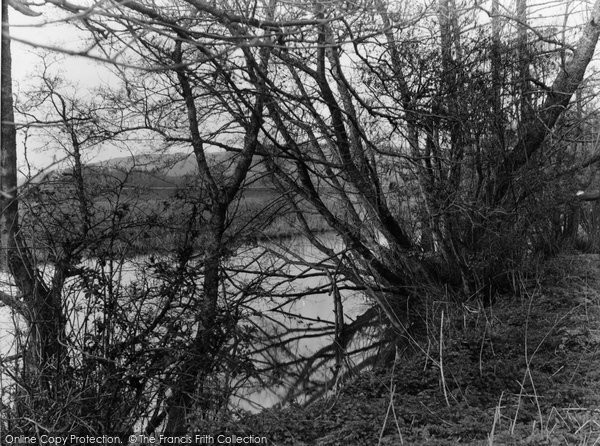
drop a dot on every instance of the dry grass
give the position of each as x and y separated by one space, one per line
523 372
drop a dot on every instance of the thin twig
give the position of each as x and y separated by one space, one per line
391 404
496 418
441 362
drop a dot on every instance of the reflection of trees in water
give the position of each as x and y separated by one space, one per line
128 320
324 330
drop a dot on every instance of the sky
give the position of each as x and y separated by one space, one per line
84 74
26 57
80 73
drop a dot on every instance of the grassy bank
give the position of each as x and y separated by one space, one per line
523 372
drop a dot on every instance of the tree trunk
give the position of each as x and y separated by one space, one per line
8 157
525 104
45 352
199 360
533 132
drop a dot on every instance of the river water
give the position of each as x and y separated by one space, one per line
291 259
314 310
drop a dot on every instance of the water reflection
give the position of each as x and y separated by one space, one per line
296 299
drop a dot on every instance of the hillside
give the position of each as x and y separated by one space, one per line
150 192
523 372
161 171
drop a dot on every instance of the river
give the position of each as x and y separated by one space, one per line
313 310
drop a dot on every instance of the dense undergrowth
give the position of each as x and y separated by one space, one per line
524 371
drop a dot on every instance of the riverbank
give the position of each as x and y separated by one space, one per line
525 371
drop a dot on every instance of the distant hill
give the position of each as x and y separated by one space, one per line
157 191
161 171
169 164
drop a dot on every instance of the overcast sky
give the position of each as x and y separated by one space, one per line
83 73
79 72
